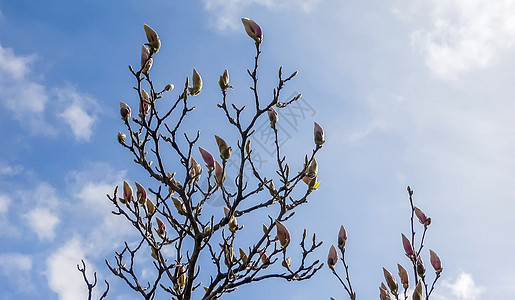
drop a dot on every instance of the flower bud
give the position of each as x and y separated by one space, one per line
161 228
219 174
436 262
208 158
273 116
141 194
243 256
403 274
224 81
319 135
121 137
153 253
342 238
197 84
332 258
225 152
264 259
287 262
195 170
181 208
229 254
180 275
153 40
383 293
421 269
283 235
168 87
146 59
253 30
233 224
422 218
417 293
127 193
390 281
407 247
125 111
247 147
151 208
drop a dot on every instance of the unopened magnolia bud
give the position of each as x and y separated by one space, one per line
319 135
390 281
422 218
151 208
407 247
271 189
247 147
121 137
168 87
141 194
233 224
224 81
225 151
436 262
125 111
127 193
153 253
243 256
421 269
161 228
180 275
342 238
197 84
253 30
332 258
146 59
195 170
403 274
417 293
219 174
153 40
383 293
283 235
273 116
264 259
208 158
181 208
287 262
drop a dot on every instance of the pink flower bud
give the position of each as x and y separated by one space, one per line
125 111
208 158
436 262
197 84
390 281
422 218
282 234
407 247
141 194
219 174
264 259
146 59
161 228
151 208
417 293
144 104
127 193
153 40
319 135
253 30
403 274
342 238
273 116
332 258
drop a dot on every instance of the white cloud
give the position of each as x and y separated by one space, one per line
17 269
466 35
43 222
5 201
227 13
79 112
62 274
9 170
463 288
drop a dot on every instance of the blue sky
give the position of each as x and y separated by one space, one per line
413 93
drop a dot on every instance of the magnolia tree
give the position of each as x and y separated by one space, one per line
204 252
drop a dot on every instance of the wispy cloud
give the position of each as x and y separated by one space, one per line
227 13
17 269
42 215
462 288
465 35
79 112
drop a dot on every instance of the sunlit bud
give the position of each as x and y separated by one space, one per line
390 281
422 218
141 193
247 147
271 189
253 30
181 208
144 108
233 224
403 274
243 256
161 228
146 60
197 84
151 208
264 258
283 235
313 168
180 275
195 170
421 269
273 116
127 193
319 135
121 137
168 87
436 262
417 293
224 81
225 152
287 262
332 258
125 111
153 40
407 247
229 254
219 174
265 229
383 293
208 158
342 238
153 253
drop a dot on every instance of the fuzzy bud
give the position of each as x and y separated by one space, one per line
141 194
390 281
342 238
161 228
403 274
332 258
417 293
225 151
407 247
197 84
127 193
273 116
125 111
219 174
319 135
253 30
208 158
283 235
121 138
223 82
422 218
436 262
146 59
151 208
153 40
